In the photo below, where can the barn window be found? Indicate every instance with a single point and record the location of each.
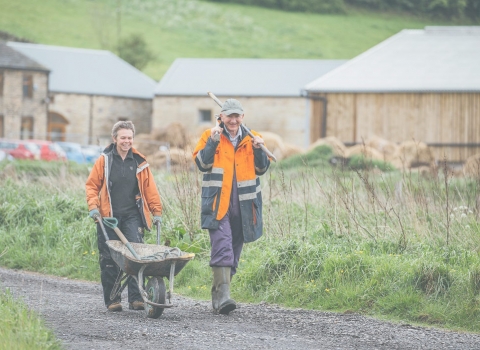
(205, 115)
(27, 86)
(26, 128)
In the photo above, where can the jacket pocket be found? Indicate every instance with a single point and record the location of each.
(254, 211)
(139, 202)
(210, 201)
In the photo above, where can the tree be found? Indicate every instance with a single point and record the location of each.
(134, 50)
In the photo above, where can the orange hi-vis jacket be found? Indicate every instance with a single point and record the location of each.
(218, 161)
(98, 192)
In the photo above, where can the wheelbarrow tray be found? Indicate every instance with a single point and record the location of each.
(159, 267)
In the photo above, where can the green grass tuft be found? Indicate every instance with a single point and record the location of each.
(22, 329)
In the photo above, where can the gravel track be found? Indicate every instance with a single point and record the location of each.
(75, 311)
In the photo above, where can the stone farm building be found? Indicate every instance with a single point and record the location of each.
(88, 91)
(418, 84)
(269, 90)
(23, 94)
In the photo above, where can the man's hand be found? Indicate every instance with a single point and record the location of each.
(215, 133)
(157, 220)
(94, 214)
(257, 141)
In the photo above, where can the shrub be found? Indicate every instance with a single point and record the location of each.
(319, 156)
(474, 277)
(324, 6)
(433, 279)
(437, 8)
(134, 50)
(359, 162)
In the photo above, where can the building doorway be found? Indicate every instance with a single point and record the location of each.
(57, 125)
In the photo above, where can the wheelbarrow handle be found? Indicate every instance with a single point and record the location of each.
(158, 224)
(98, 219)
(112, 223)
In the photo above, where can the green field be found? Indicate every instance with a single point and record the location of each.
(334, 238)
(190, 28)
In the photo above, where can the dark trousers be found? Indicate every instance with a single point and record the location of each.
(227, 240)
(131, 227)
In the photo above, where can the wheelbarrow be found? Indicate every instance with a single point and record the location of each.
(148, 262)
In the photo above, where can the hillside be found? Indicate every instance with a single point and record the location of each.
(193, 28)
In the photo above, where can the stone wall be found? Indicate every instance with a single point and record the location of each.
(90, 118)
(284, 116)
(13, 106)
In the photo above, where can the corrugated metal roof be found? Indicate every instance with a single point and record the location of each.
(436, 59)
(9, 58)
(85, 71)
(241, 77)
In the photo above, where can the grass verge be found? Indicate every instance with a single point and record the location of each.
(22, 329)
(391, 245)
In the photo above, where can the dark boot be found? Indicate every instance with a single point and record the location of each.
(221, 301)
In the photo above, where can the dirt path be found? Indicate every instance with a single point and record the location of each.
(74, 310)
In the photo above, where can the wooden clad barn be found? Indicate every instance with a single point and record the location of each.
(269, 90)
(419, 84)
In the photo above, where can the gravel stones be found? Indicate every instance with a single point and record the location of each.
(75, 311)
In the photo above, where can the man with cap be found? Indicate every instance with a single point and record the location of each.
(231, 198)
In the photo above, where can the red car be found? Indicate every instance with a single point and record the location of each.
(20, 149)
(49, 150)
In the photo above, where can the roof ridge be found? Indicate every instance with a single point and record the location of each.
(57, 47)
(363, 55)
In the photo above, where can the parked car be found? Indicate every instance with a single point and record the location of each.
(73, 151)
(50, 150)
(20, 149)
(5, 156)
(91, 152)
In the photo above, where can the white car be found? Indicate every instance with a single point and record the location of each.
(5, 156)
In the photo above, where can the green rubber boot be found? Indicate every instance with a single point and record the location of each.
(221, 301)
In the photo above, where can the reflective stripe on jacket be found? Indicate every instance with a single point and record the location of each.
(218, 161)
(98, 192)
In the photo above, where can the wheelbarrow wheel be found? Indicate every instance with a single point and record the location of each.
(155, 289)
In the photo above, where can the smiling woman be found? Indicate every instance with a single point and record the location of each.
(121, 185)
(123, 140)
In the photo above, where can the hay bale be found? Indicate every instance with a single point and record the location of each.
(145, 144)
(411, 154)
(337, 146)
(385, 147)
(180, 159)
(174, 134)
(365, 151)
(291, 150)
(200, 130)
(274, 143)
(471, 168)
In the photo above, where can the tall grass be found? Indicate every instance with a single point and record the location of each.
(397, 245)
(22, 329)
